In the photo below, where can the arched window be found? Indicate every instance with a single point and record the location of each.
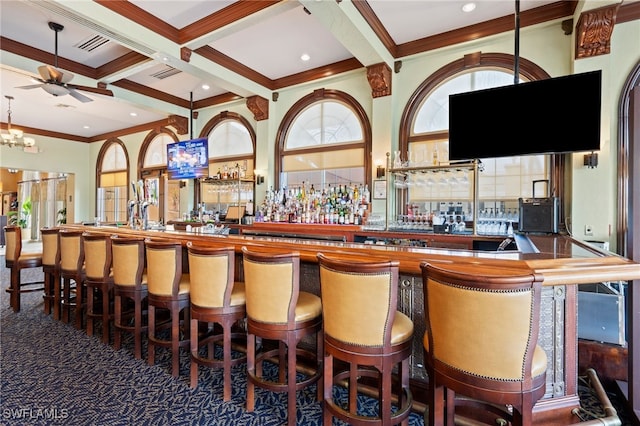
(152, 165)
(232, 143)
(424, 134)
(324, 139)
(112, 177)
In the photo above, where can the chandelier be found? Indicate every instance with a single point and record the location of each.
(14, 137)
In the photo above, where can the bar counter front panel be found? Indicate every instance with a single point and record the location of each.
(562, 261)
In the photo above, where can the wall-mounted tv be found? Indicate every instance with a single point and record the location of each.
(556, 115)
(188, 159)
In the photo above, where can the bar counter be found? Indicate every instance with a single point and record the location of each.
(562, 261)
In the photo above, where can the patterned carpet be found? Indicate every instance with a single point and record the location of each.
(51, 373)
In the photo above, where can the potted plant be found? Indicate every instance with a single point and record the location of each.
(62, 216)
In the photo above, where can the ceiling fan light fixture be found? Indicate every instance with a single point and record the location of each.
(55, 90)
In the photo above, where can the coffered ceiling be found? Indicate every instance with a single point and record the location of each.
(155, 55)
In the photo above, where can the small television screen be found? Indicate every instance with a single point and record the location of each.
(188, 159)
(556, 115)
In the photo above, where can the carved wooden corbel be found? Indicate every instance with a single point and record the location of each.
(379, 77)
(179, 122)
(259, 106)
(185, 54)
(594, 30)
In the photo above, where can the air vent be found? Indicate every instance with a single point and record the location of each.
(92, 43)
(165, 72)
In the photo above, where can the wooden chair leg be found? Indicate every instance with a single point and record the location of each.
(193, 345)
(175, 341)
(151, 349)
(226, 353)
(117, 322)
(292, 408)
(79, 302)
(251, 370)
(14, 289)
(48, 292)
(56, 297)
(137, 326)
(90, 309)
(106, 314)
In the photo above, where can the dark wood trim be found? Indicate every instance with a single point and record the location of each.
(125, 61)
(376, 25)
(304, 102)
(628, 12)
(225, 61)
(226, 16)
(318, 73)
(534, 16)
(142, 17)
(48, 133)
(103, 149)
(152, 93)
(38, 55)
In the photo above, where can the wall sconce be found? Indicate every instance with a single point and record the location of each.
(380, 172)
(591, 160)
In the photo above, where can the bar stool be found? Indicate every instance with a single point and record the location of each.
(364, 329)
(215, 299)
(51, 271)
(99, 281)
(16, 260)
(277, 310)
(481, 342)
(168, 290)
(129, 284)
(72, 274)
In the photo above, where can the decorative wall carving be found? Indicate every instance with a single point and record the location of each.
(259, 106)
(379, 77)
(594, 31)
(185, 54)
(180, 123)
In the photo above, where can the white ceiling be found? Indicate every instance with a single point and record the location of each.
(269, 42)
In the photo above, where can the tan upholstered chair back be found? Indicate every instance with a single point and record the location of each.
(211, 274)
(71, 250)
(49, 246)
(164, 267)
(271, 285)
(13, 243)
(128, 261)
(97, 256)
(359, 300)
(481, 324)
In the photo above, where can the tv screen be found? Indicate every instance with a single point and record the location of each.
(556, 115)
(188, 159)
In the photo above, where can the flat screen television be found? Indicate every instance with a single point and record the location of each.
(556, 115)
(188, 159)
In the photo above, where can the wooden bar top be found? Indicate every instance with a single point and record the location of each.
(560, 259)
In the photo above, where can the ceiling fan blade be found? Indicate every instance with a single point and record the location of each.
(43, 70)
(97, 90)
(31, 86)
(79, 96)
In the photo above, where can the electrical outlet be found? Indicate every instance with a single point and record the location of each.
(588, 230)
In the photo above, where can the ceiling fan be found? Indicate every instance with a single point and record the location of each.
(56, 82)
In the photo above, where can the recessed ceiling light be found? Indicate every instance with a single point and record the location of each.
(205, 87)
(305, 57)
(468, 7)
(85, 127)
(133, 114)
